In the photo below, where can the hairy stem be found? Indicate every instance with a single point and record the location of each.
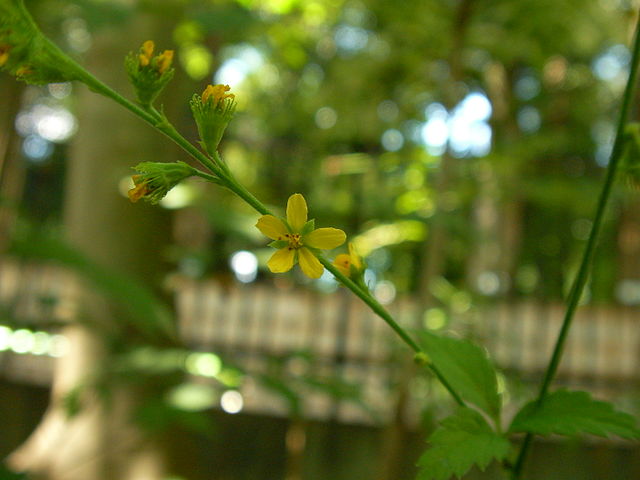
(223, 176)
(587, 258)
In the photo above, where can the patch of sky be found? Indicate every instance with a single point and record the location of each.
(612, 64)
(465, 129)
(241, 61)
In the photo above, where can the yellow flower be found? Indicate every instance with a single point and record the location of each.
(350, 264)
(163, 61)
(297, 239)
(212, 112)
(140, 189)
(217, 93)
(149, 74)
(146, 53)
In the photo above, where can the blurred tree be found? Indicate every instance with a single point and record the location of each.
(100, 441)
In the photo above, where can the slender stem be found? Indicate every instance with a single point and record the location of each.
(386, 316)
(582, 275)
(224, 177)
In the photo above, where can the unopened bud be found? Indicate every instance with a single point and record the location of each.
(212, 112)
(155, 179)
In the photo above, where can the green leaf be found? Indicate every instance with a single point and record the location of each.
(467, 368)
(567, 412)
(463, 440)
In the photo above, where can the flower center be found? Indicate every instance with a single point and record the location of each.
(294, 239)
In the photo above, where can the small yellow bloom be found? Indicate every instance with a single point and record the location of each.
(140, 189)
(149, 74)
(296, 239)
(155, 179)
(146, 53)
(212, 112)
(217, 92)
(350, 263)
(163, 61)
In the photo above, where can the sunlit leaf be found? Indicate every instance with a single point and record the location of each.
(567, 412)
(467, 368)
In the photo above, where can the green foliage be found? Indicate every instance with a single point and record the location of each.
(25, 52)
(6, 474)
(467, 369)
(292, 383)
(141, 308)
(463, 440)
(566, 412)
(156, 415)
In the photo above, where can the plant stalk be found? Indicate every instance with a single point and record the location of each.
(224, 177)
(386, 316)
(582, 275)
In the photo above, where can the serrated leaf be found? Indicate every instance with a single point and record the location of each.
(467, 368)
(567, 412)
(461, 441)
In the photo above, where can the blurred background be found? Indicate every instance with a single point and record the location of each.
(461, 144)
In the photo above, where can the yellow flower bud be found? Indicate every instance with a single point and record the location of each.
(147, 49)
(213, 111)
(148, 74)
(164, 60)
(155, 179)
(217, 93)
(139, 190)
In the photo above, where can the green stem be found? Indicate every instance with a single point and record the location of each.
(582, 275)
(373, 304)
(160, 122)
(223, 176)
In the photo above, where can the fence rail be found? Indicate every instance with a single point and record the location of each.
(254, 323)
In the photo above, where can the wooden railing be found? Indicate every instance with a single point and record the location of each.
(251, 324)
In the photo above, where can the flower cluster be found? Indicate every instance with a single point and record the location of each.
(26, 53)
(212, 112)
(155, 179)
(297, 239)
(149, 74)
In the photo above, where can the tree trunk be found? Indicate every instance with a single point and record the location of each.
(100, 442)
(11, 169)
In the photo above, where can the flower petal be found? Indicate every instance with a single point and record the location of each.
(282, 260)
(343, 263)
(325, 238)
(356, 260)
(309, 264)
(296, 212)
(272, 227)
